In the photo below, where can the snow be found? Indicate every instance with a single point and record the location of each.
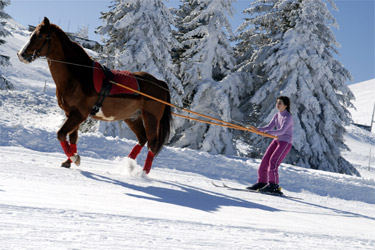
(364, 103)
(108, 203)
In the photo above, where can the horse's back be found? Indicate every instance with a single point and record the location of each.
(141, 75)
(149, 84)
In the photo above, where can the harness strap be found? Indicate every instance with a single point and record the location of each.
(105, 90)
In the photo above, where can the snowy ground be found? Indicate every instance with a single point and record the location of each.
(102, 205)
(108, 203)
(364, 103)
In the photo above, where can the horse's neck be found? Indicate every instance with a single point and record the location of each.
(70, 66)
(67, 57)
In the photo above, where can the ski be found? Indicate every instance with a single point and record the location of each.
(223, 185)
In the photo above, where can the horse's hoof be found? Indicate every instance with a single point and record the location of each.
(76, 159)
(66, 164)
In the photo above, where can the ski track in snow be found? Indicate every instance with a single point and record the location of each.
(109, 203)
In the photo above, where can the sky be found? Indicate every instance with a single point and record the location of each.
(356, 33)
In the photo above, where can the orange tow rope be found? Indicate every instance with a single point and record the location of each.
(221, 123)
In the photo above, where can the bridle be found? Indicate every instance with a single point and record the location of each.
(37, 52)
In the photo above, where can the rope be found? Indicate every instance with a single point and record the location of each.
(220, 122)
(228, 124)
(91, 67)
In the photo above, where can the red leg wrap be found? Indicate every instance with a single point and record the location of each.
(148, 163)
(135, 151)
(66, 148)
(73, 147)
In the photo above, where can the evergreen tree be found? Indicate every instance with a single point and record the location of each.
(4, 60)
(299, 63)
(140, 39)
(258, 33)
(205, 59)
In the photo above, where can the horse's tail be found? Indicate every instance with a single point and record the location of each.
(165, 124)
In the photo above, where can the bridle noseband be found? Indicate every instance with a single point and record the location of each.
(37, 52)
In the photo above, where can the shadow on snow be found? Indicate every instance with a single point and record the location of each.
(186, 196)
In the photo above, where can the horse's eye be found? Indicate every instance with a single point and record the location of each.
(40, 36)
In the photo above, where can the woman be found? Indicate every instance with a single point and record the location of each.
(268, 177)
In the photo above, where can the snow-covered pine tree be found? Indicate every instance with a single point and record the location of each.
(205, 58)
(300, 64)
(254, 38)
(140, 39)
(4, 60)
(247, 72)
(251, 36)
(257, 33)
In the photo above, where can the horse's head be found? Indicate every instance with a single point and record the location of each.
(39, 43)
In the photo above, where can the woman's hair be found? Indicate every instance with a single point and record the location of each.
(286, 102)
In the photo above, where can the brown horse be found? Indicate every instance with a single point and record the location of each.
(72, 71)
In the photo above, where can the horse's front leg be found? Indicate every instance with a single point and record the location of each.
(70, 127)
(73, 138)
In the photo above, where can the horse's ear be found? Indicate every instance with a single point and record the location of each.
(46, 21)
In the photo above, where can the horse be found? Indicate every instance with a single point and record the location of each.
(72, 71)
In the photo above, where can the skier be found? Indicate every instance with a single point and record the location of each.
(268, 177)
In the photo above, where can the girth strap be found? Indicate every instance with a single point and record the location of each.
(105, 90)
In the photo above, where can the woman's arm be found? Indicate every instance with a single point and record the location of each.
(284, 127)
(270, 126)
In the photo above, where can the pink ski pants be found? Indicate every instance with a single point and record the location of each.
(275, 154)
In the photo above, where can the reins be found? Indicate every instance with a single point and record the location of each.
(218, 122)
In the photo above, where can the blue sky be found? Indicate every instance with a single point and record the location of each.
(355, 18)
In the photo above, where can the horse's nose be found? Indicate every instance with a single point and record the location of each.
(22, 57)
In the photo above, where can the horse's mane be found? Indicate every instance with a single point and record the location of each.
(79, 62)
(75, 49)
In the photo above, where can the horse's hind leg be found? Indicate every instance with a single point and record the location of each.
(139, 130)
(151, 126)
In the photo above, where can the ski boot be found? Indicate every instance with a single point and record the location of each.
(257, 186)
(271, 188)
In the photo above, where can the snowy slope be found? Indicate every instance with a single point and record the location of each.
(364, 93)
(102, 206)
(20, 75)
(108, 203)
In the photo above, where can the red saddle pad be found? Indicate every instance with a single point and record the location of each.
(126, 78)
